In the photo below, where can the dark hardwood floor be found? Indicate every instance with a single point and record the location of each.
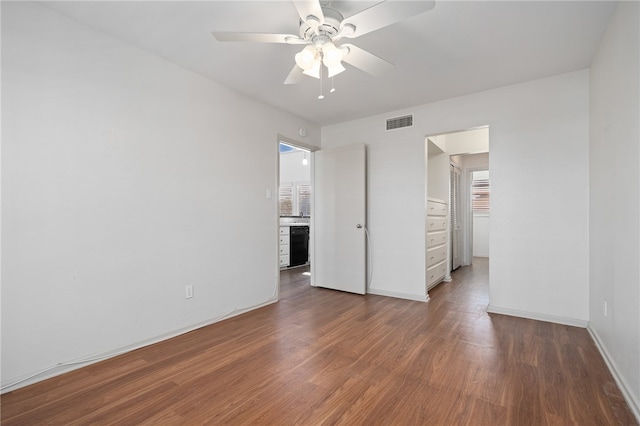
(326, 357)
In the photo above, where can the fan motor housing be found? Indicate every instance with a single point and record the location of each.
(329, 28)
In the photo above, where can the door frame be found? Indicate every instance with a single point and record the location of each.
(468, 247)
(468, 213)
(307, 147)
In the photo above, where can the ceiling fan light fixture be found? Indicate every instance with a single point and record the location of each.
(331, 55)
(306, 58)
(314, 70)
(335, 69)
(320, 27)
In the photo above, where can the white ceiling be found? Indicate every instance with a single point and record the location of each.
(457, 48)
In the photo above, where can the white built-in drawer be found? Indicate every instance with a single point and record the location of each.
(284, 261)
(284, 239)
(436, 209)
(436, 255)
(436, 238)
(284, 230)
(436, 273)
(436, 223)
(284, 250)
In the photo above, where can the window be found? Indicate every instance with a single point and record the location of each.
(295, 199)
(304, 199)
(286, 199)
(480, 192)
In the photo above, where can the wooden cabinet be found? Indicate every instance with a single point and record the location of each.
(284, 246)
(436, 242)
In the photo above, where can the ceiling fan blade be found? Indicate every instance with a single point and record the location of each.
(383, 14)
(258, 37)
(295, 76)
(367, 62)
(308, 8)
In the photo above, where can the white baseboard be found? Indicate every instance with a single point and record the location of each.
(407, 296)
(536, 316)
(67, 366)
(633, 402)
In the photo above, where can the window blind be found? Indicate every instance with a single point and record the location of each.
(286, 199)
(304, 199)
(480, 195)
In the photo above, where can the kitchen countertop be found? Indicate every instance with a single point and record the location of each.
(294, 220)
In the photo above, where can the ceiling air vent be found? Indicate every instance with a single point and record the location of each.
(399, 122)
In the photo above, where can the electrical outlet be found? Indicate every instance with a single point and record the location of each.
(604, 308)
(188, 291)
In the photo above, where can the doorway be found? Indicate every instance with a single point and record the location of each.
(294, 205)
(451, 160)
(336, 218)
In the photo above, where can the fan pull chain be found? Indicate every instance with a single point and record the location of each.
(321, 96)
(333, 89)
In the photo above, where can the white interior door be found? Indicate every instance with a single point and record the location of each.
(339, 219)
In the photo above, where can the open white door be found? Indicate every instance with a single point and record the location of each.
(339, 219)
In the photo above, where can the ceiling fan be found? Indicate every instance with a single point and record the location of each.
(321, 27)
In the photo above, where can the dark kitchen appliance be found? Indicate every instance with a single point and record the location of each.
(298, 245)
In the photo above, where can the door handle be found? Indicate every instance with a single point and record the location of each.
(358, 226)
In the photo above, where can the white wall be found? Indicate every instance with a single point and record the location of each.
(124, 178)
(475, 161)
(469, 142)
(539, 125)
(437, 172)
(481, 234)
(292, 169)
(440, 142)
(395, 198)
(615, 198)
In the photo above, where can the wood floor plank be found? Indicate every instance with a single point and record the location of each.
(324, 357)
